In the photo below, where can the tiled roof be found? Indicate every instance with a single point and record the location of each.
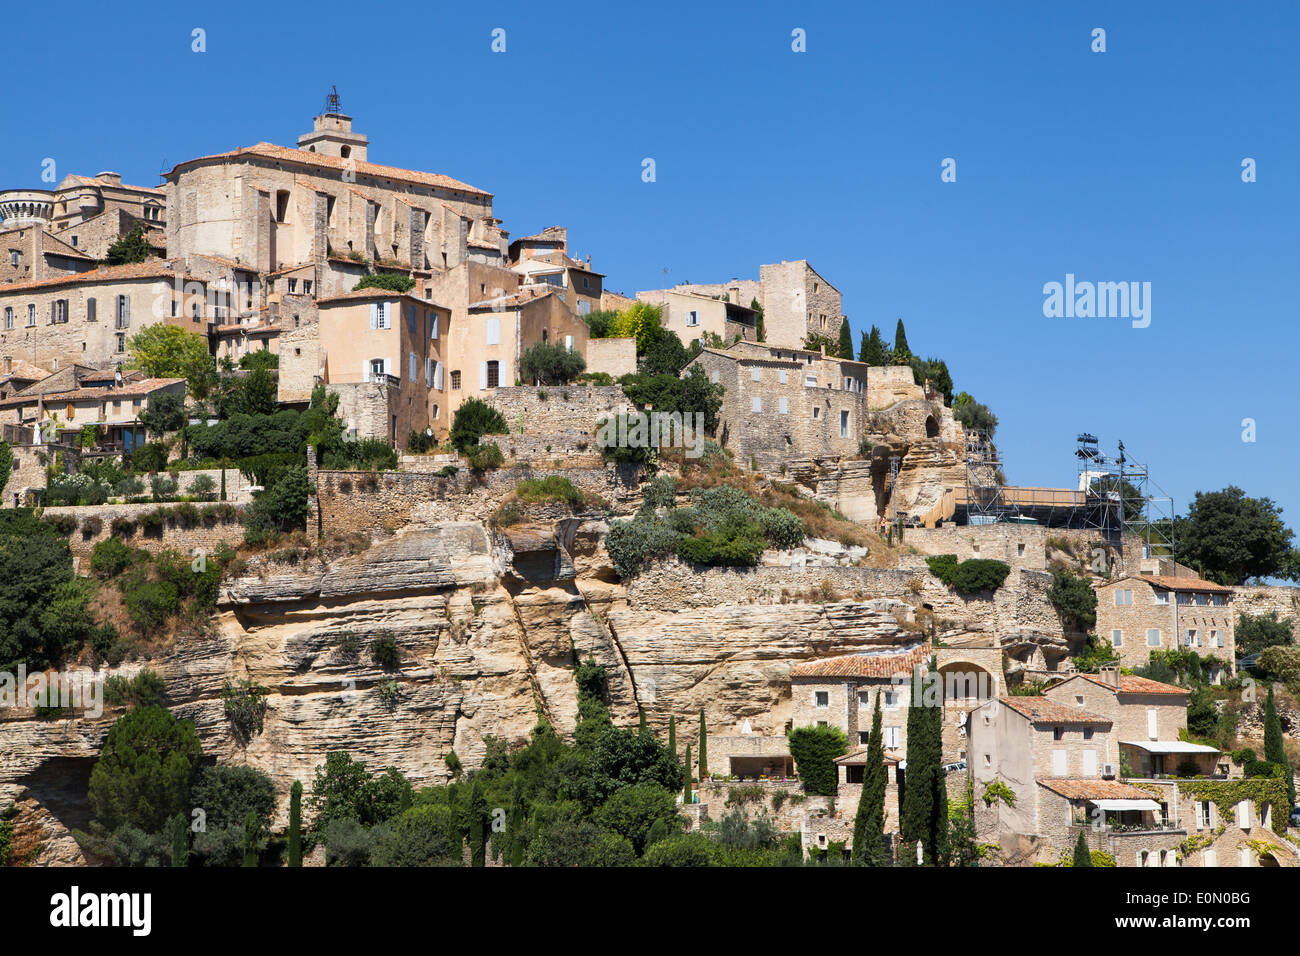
(1132, 684)
(153, 269)
(1170, 582)
(88, 181)
(53, 246)
(1044, 710)
(308, 158)
(126, 390)
(864, 665)
(220, 260)
(522, 297)
(18, 369)
(1075, 789)
(859, 756)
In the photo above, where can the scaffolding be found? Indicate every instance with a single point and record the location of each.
(985, 501)
(1122, 499)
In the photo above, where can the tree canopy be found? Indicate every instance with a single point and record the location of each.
(1230, 537)
(167, 351)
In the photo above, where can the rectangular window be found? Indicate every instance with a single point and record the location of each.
(891, 699)
(379, 315)
(756, 404)
(31, 314)
(1153, 637)
(412, 365)
(1123, 597)
(693, 318)
(1216, 639)
(410, 319)
(817, 411)
(781, 376)
(864, 698)
(9, 317)
(293, 286)
(823, 698)
(433, 325)
(1116, 638)
(753, 374)
(891, 738)
(428, 373)
(493, 331)
(493, 374)
(376, 369)
(783, 406)
(455, 379)
(91, 310)
(810, 381)
(1192, 638)
(121, 343)
(1162, 597)
(844, 424)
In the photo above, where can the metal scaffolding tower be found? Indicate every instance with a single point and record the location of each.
(1122, 498)
(985, 502)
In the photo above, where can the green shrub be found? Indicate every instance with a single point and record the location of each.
(980, 574)
(485, 457)
(660, 492)
(474, 419)
(151, 603)
(552, 488)
(550, 364)
(388, 281)
(245, 707)
(110, 558)
(943, 567)
(814, 750)
(203, 487)
(91, 525)
(121, 527)
(1074, 599)
(631, 544)
(63, 524)
(145, 689)
(149, 457)
(384, 652)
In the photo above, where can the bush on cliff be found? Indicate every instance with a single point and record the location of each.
(472, 421)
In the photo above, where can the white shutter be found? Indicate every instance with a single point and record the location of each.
(1090, 763)
(388, 366)
(568, 342)
(493, 331)
(365, 370)
(482, 376)
(1060, 767)
(374, 315)
(1152, 725)
(437, 375)
(428, 373)
(410, 366)
(433, 325)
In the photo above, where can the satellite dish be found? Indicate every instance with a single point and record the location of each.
(428, 432)
(117, 377)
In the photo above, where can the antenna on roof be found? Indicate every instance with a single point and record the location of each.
(332, 104)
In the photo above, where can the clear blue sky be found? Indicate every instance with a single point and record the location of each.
(1122, 166)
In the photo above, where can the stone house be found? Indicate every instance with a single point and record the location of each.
(31, 253)
(574, 281)
(89, 317)
(783, 404)
(841, 692)
(797, 301)
(691, 315)
(383, 353)
(1140, 613)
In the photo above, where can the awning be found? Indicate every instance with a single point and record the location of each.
(1170, 747)
(1125, 804)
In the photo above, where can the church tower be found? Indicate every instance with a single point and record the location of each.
(333, 134)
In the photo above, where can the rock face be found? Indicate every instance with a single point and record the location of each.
(488, 624)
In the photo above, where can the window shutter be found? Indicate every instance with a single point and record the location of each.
(568, 342)
(437, 375)
(365, 370)
(410, 366)
(374, 315)
(428, 373)
(494, 331)
(388, 366)
(126, 311)
(433, 325)
(482, 376)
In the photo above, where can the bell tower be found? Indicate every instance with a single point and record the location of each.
(332, 133)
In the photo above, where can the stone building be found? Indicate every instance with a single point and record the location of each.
(782, 404)
(31, 253)
(1142, 613)
(89, 317)
(797, 302)
(543, 259)
(383, 354)
(82, 215)
(692, 316)
(841, 691)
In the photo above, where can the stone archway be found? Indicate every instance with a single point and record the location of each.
(931, 427)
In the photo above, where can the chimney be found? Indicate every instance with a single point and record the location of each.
(1109, 674)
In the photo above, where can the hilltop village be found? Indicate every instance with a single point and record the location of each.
(310, 450)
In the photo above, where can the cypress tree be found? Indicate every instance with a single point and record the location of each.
(937, 842)
(846, 340)
(869, 824)
(1274, 751)
(900, 345)
(180, 840)
(924, 813)
(1081, 855)
(478, 815)
(760, 330)
(295, 824)
(642, 728)
(251, 833)
(873, 348)
(687, 797)
(704, 748)
(672, 736)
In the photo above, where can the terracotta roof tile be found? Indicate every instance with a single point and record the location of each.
(1044, 710)
(1132, 684)
(1076, 789)
(153, 269)
(126, 390)
(1171, 582)
(308, 158)
(865, 665)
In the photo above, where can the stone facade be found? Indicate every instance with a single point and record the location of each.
(782, 404)
(614, 357)
(1139, 614)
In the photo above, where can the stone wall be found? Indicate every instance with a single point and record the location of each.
(26, 475)
(172, 537)
(1261, 599)
(612, 356)
(362, 501)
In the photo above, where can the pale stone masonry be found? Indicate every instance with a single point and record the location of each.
(1142, 613)
(781, 404)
